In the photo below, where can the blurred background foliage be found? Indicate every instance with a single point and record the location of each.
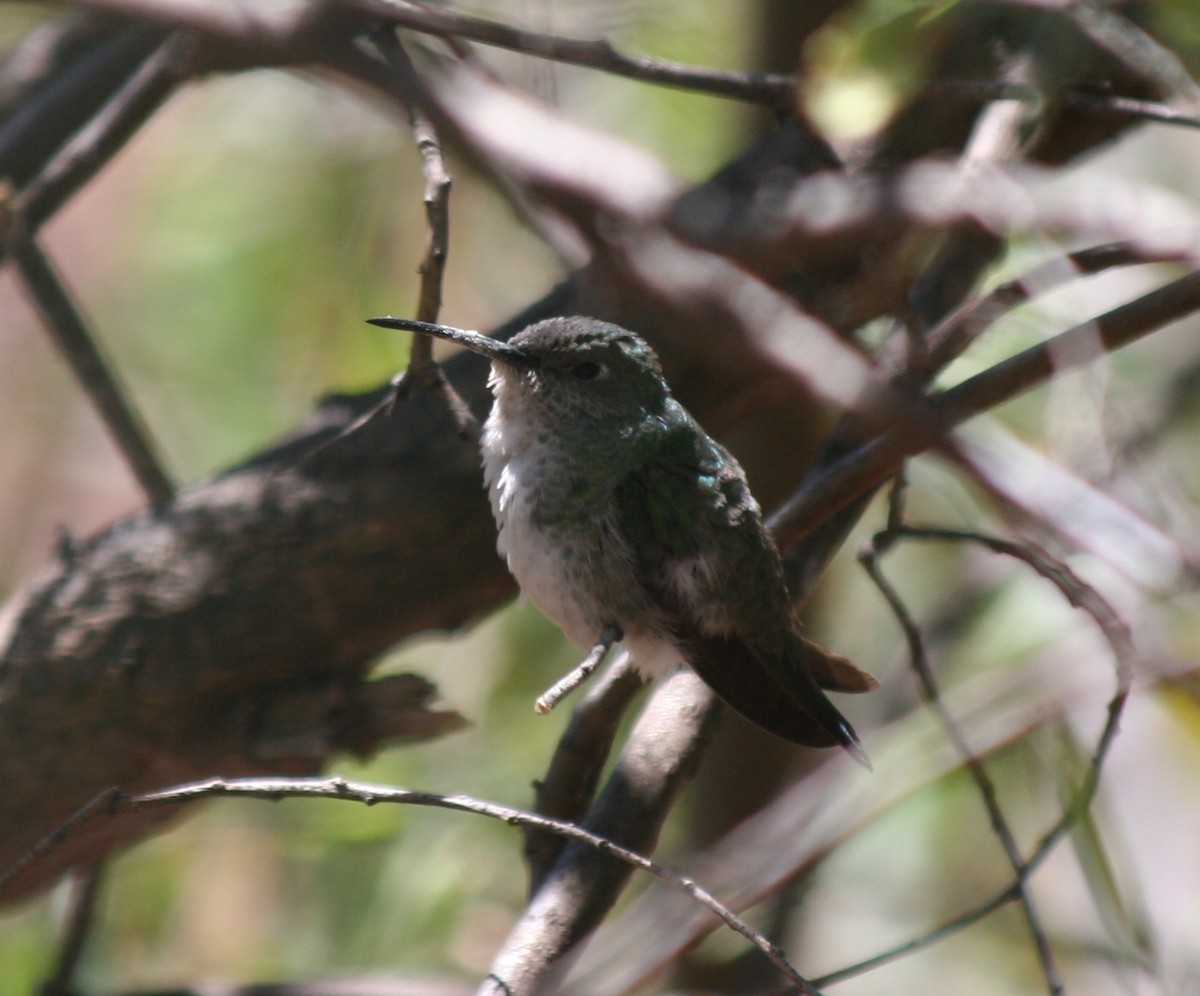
(227, 259)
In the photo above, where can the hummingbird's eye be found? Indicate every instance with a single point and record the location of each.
(587, 370)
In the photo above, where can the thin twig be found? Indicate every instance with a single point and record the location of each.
(1046, 844)
(421, 366)
(806, 557)
(275, 789)
(1147, 58)
(281, 36)
(957, 331)
(77, 345)
(74, 164)
(869, 557)
(1073, 97)
(1074, 589)
(84, 814)
(772, 89)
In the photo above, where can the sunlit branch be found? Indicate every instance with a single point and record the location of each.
(954, 334)
(869, 465)
(569, 784)
(761, 88)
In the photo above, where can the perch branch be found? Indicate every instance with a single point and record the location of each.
(657, 760)
(574, 771)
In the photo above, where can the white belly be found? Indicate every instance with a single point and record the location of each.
(538, 564)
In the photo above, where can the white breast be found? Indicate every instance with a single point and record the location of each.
(535, 561)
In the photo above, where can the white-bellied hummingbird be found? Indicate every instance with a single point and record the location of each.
(618, 514)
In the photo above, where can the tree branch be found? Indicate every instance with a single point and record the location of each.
(77, 346)
(873, 463)
(658, 759)
(771, 89)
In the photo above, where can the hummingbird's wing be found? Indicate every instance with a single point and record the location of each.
(711, 567)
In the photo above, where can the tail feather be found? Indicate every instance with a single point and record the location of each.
(798, 712)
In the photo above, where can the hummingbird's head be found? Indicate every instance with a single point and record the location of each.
(581, 366)
(563, 368)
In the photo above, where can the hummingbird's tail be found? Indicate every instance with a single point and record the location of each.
(796, 710)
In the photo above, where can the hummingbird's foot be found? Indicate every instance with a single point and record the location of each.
(569, 682)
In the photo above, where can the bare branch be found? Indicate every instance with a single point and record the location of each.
(98, 140)
(1137, 49)
(951, 337)
(1097, 103)
(276, 789)
(873, 463)
(437, 247)
(85, 890)
(773, 90)
(1116, 634)
(77, 345)
(656, 762)
(869, 557)
(646, 271)
(1033, 488)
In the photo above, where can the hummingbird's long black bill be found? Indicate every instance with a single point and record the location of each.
(494, 349)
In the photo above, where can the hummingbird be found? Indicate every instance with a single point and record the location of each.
(617, 513)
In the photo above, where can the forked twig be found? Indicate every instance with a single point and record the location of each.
(869, 557)
(955, 333)
(108, 130)
(872, 463)
(1084, 597)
